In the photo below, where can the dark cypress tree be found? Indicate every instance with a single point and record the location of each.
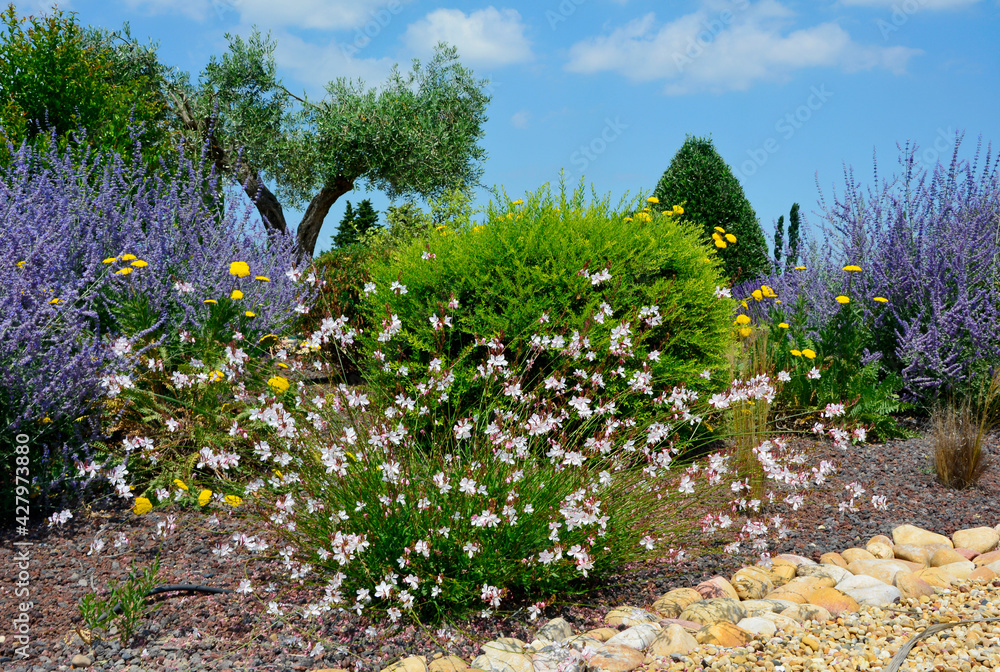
(345, 231)
(365, 219)
(794, 233)
(779, 242)
(712, 196)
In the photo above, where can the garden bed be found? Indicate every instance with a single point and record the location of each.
(234, 631)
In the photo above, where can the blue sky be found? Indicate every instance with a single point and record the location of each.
(606, 90)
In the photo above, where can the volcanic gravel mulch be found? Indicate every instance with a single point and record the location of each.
(233, 631)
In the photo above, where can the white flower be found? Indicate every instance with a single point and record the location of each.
(245, 588)
(723, 293)
(183, 287)
(813, 374)
(784, 376)
(686, 486)
(706, 374)
(398, 288)
(463, 429)
(369, 288)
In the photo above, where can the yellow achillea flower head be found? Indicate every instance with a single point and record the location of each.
(519, 201)
(123, 271)
(653, 199)
(783, 325)
(768, 292)
(678, 210)
(628, 219)
(233, 500)
(46, 420)
(796, 353)
(279, 384)
(643, 217)
(56, 302)
(800, 268)
(180, 484)
(757, 294)
(204, 497)
(240, 269)
(881, 299)
(283, 365)
(236, 295)
(21, 264)
(852, 268)
(270, 339)
(139, 263)
(210, 301)
(742, 319)
(731, 238)
(217, 375)
(720, 229)
(250, 313)
(110, 260)
(744, 332)
(142, 505)
(842, 299)
(129, 257)
(262, 278)
(808, 353)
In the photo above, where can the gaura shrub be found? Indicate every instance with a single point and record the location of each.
(928, 290)
(559, 262)
(104, 265)
(548, 494)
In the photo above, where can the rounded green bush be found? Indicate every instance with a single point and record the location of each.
(539, 266)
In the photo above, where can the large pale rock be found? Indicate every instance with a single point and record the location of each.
(723, 634)
(880, 538)
(913, 553)
(601, 634)
(935, 577)
(715, 610)
(995, 566)
(408, 664)
(758, 625)
(855, 554)
(911, 586)
(637, 637)
(781, 574)
(807, 612)
(717, 586)
(447, 664)
(629, 616)
(979, 539)
(581, 642)
(944, 556)
(671, 604)
(834, 572)
(690, 626)
(883, 570)
(752, 583)
(783, 623)
(880, 550)
(959, 569)
(672, 639)
(555, 630)
(756, 607)
(803, 586)
(910, 534)
(834, 601)
(869, 590)
(986, 558)
(794, 560)
(982, 575)
(504, 655)
(967, 553)
(615, 658)
(833, 559)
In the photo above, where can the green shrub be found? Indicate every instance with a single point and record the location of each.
(546, 260)
(711, 195)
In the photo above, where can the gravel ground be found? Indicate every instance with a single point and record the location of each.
(233, 631)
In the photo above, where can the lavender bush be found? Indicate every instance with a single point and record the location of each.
(102, 263)
(927, 243)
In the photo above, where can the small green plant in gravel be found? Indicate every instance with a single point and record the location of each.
(123, 607)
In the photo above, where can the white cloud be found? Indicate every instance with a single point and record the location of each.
(486, 37)
(726, 46)
(520, 119)
(314, 14)
(919, 4)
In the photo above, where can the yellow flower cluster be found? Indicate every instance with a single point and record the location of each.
(721, 238)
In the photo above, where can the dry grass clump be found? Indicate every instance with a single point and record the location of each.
(958, 431)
